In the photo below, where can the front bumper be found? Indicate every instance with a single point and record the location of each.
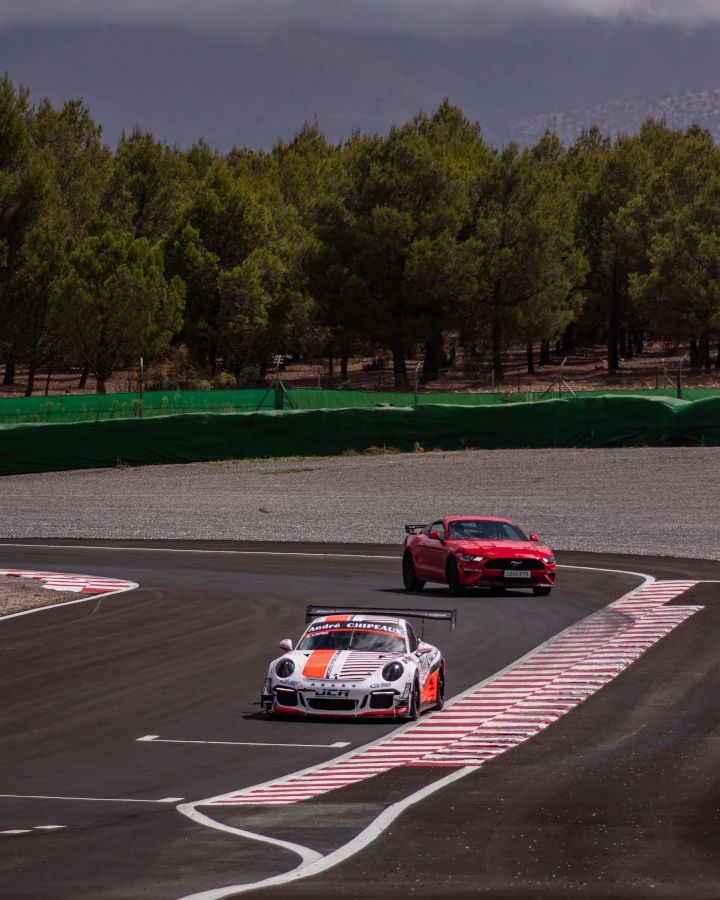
(330, 699)
(476, 575)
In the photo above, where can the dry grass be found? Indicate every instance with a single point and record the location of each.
(21, 594)
(586, 370)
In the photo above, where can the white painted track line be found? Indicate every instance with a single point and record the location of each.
(45, 828)
(307, 856)
(199, 550)
(320, 863)
(91, 799)
(155, 739)
(39, 609)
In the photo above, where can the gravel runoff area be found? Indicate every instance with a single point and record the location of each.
(18, 595)
(656, 501)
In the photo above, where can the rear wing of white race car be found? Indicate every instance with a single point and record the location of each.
(441, 615)
(414, 529)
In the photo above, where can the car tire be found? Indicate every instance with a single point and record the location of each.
(414, 707)
(542, 590)
(455, 586)
(440, 689)
(410, 580)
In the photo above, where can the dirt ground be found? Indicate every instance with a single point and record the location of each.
(20, 594)
(585, 371)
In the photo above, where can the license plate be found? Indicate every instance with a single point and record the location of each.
(513, 573)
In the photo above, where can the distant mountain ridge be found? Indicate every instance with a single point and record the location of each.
(680, 110)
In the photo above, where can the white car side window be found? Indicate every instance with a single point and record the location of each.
(412, 639)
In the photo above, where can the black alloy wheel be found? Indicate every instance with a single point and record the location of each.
(410, 580)
(453, 579)
(414, 708)
(542, 590)
(440, 689)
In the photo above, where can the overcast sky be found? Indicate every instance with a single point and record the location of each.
(396, 15)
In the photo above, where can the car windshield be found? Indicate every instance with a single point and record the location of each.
(380, 641)
(485, 530)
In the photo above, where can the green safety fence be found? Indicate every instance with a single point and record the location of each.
(606, 421)
(92, 408)
(95, 407)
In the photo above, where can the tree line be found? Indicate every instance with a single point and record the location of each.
(423, 241)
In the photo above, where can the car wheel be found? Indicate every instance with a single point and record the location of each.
(440, 696)
(542, 590)
(453, 579)
(414, 708)
(410, 579)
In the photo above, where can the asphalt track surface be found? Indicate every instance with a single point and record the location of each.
(618, 799)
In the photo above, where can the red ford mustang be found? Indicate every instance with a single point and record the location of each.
(464, 551)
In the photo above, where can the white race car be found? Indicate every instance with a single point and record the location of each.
(358, 662)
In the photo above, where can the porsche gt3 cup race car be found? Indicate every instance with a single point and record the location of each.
(358, 662)
(465, 551)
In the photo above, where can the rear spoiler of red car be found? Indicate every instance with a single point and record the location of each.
(441, 615)
(414, 529)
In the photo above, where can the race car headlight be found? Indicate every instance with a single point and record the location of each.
(392, 671)
(285, 668)
(548, 560)
(468, 557)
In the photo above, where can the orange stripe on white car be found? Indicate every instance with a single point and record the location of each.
(318, 663)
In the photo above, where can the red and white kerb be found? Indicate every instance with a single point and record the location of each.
(79, 584)
(516, 706)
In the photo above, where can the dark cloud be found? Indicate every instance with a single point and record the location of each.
(424, 16)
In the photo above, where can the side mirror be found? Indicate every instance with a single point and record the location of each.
(423, 648)
(435, 536)
(286, 645)
(534, 537)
